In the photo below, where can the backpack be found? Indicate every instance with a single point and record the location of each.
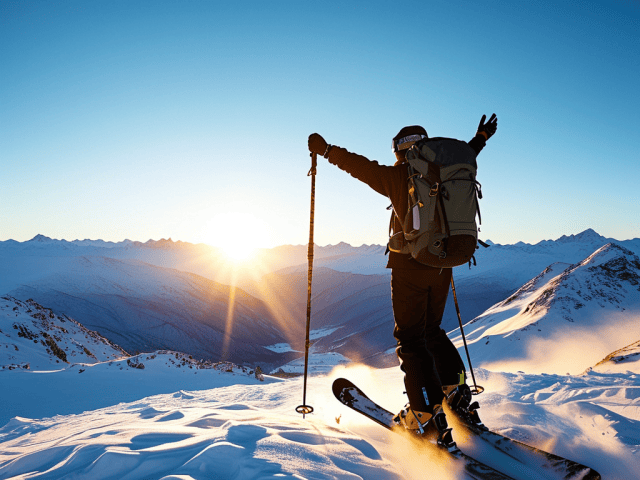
(440, 227)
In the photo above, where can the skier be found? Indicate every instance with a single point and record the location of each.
(433, 369)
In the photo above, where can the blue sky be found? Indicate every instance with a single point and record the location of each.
(189, 119)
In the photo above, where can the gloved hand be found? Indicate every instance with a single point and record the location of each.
(317, 144)
(489, 128)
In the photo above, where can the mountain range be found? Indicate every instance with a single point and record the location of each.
(167, 295)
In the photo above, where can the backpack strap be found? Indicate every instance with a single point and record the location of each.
(393, 214)
(478, 197)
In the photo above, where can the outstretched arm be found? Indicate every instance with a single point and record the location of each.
(382, 178)
(485, 131)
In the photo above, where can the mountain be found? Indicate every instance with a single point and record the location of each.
(360, 318)
(201, 259)
(35, 338)
(144, 308)
(577, 313)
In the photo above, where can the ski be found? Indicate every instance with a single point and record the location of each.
(527, 454)
(351, 396)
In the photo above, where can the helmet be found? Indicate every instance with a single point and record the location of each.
(407, 137)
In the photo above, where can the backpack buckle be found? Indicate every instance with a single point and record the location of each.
(434, 189)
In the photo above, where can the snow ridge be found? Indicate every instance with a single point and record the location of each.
(35, 338)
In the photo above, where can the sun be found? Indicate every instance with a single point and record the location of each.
(236, 234)
(238, 251)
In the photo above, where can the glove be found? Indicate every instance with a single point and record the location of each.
(488, 129)
(317, 144)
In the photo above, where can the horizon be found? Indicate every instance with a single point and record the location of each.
(191, 121)
(150, 240)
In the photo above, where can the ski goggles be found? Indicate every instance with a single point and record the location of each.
(405, 142)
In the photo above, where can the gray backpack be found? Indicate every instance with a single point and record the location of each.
(440, 227)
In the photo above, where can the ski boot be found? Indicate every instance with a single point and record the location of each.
(431, 427)
(458, 397)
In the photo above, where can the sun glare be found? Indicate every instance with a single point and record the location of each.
(237, 235)
(238, 251)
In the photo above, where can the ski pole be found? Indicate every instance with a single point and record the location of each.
(477, 389)
(304, 408)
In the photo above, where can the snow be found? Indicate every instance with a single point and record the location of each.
(321, 332)
(318, 363)
(27, 330)
(313, 335)
(627, 359)
(280, 348)
(233, 430)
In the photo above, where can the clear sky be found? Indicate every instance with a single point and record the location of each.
(189, 119)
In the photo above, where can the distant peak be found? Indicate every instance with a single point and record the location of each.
(587, 235)
(165, 243)
(41, 238)
(162, 241)
(340, 245)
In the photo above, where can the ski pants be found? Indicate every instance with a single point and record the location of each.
(427, 357)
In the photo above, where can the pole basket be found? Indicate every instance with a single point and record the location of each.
(304, 409)
(477, 390)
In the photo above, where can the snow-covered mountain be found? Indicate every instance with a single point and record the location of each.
(362, 310)
(201, 259)
(33, 337)
(576, 313)
(144, 308)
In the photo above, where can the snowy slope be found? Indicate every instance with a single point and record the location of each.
(238, 432)
(78, 387)
(564, 320)
(33, 337)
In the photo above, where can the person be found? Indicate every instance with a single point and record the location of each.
(431, 364)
